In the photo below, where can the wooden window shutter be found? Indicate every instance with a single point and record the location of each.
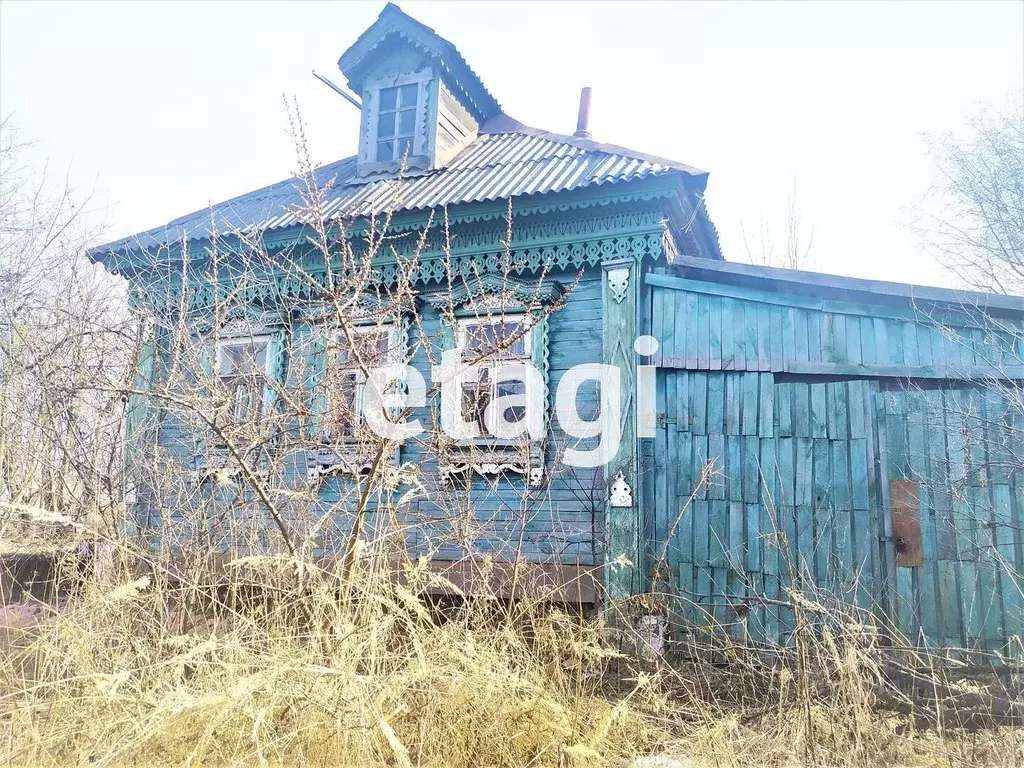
(906, 523)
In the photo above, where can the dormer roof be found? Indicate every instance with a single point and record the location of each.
(394, 25)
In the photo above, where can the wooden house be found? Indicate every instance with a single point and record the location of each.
(859, 434)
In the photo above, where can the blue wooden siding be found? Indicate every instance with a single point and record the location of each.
(555, 523)
(798, 404)
(788, 503)
(560, 522)
(957, 444)
(710, 326)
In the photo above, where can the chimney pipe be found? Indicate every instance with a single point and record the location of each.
(583, 120)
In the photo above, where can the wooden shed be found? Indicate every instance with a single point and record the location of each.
(868, 444)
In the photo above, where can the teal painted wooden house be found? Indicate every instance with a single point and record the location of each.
(852, 443)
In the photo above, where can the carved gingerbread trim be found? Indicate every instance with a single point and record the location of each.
(621, 493)
(618, 283)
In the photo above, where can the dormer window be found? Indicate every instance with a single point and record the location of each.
(422, 104)
(396, 122)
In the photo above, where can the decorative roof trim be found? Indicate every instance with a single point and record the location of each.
(465, 289)
(645, 189)
(392, 22)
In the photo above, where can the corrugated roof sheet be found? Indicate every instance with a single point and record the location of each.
(495, 166)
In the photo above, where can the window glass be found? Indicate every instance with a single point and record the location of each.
(408, 93)
(368, 347)
(406, 122)
(239, 358)
(241, 366)
(499, 338)
(396, 122)
(509, 387)
(386, 126)
(388, 98)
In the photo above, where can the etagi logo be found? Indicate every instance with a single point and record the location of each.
(518, 410)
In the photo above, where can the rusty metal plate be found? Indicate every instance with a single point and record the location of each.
(906, 523)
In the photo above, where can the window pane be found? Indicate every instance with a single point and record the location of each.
(242, 358)
(388, 97)
(487, 338)
(475, 398)
(512, 413)
(404, 148)
(386, 125)
(406, 122)
(241, 400)
(379, 343)
(385, 151)
(246, 398)
(342, 417)
(342, 354)
(409, 95)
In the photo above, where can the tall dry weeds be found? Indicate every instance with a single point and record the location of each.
(308, 672)
(281, 663)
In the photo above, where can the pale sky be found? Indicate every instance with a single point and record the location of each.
(165, 107)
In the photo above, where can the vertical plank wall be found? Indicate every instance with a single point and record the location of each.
(952, 445)
(787, 505)
(799, 497)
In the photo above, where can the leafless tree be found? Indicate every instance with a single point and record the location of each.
(972, 218)
(794, 252)
(65, 344)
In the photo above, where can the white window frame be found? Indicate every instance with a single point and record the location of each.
(396, 138)
(418, 153)
(254, 340)
(464, 324)
(333, 337)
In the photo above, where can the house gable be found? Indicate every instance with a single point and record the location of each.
(421, 103)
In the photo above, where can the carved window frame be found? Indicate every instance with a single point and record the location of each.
(348, 454)
(419, 154)
(210, 455)
(508, 299)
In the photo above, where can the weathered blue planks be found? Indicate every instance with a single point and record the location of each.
(803, 412)
(766, 331)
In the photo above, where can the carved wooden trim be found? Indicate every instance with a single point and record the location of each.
(618, 283)
(507, 292)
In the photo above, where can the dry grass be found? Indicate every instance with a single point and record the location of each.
(288, 666)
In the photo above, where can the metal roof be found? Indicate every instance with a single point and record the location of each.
(512, 161)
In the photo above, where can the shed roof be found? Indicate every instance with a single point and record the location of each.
(826, 286)
(507, 160)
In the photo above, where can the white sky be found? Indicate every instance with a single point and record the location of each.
(165, 107)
